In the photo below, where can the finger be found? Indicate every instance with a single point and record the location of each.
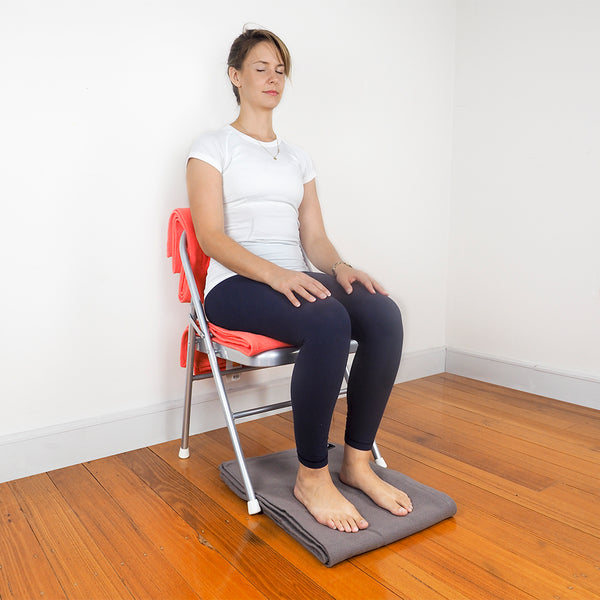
(316, 287)
(347, 285)
(317, 291)
(369, 285)
(292, 298)
(380, 288)
(304, 293)
(372, 286)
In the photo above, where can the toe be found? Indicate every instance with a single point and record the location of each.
(406, 503)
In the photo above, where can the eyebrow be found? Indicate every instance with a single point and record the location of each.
(264, 62)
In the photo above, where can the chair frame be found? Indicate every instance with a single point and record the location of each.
(199, 338)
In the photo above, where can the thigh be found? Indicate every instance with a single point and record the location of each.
(370, 314)
(243, 304)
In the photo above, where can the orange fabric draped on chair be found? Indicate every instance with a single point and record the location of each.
(248, 344)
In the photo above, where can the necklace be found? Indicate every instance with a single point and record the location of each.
(245, 132)
(274, 157)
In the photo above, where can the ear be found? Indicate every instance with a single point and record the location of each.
(234, 76)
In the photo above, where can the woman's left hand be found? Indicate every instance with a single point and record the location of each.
(346, 276)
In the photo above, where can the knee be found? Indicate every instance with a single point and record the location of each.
(392, 315)
(382, 319)
(327, 320)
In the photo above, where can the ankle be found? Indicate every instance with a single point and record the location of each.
(355, 459)
(307, 475)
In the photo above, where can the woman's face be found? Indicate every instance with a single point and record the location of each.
(261, 79)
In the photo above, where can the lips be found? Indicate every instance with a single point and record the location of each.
(272, 92)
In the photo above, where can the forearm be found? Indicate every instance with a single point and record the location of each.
(322, 253)
(292, 284)
(235, 257)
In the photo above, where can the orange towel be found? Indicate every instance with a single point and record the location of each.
(201, 363)
(179, 221)
(249, 344)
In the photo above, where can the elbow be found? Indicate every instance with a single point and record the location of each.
(205, 246)
(208, 244)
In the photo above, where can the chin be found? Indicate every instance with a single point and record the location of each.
(272, 100)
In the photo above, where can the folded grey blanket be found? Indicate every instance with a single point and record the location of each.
(273, 477)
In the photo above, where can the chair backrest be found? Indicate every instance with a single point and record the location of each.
(181, 222)
(190, 275)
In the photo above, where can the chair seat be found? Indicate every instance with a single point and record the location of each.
(269, 358)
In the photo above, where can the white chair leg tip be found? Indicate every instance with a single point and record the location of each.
(381, 462)
(253, 507)
(184, 452)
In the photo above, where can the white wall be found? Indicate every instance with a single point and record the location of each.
(524, 256)
(99, 104)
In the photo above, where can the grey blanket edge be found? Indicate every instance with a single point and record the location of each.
(273, 478)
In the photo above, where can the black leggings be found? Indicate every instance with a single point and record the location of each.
(323, 330)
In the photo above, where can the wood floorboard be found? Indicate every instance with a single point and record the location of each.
(139, 562)
(81, 568)
(524, 471)
(498, 440)
(247, 551)
(569, 440)
(560, 415)
(470, 486)
(180, 544)
(25, 571)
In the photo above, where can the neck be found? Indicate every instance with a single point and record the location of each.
(256, 124)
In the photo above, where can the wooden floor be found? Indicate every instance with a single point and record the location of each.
(524, 471)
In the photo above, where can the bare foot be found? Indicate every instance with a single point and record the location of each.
(356, 472)
(315, 489)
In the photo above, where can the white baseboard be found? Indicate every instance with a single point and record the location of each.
(415, 365)
(575, 388)
(31, 452)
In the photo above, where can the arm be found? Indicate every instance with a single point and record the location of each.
(320, 250)
(205, 192)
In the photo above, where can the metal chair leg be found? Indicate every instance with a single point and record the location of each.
(253, 505)
(184, 450)
(377, 456)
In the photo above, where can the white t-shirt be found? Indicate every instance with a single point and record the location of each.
(261, 196)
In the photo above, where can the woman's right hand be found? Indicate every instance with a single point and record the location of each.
(296, 283)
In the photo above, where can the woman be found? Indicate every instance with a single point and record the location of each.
(255, 206)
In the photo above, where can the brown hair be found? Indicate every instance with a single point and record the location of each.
(246, 41)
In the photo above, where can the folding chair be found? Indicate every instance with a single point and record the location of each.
(199, 338)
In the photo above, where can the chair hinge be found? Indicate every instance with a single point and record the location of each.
(198, 331)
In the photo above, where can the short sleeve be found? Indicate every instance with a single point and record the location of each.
(305, 163)
(210, 148)
(309, 172)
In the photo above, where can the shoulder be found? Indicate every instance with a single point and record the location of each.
(211, 147)
(211, 139)
(302, 158)
(295, 150)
